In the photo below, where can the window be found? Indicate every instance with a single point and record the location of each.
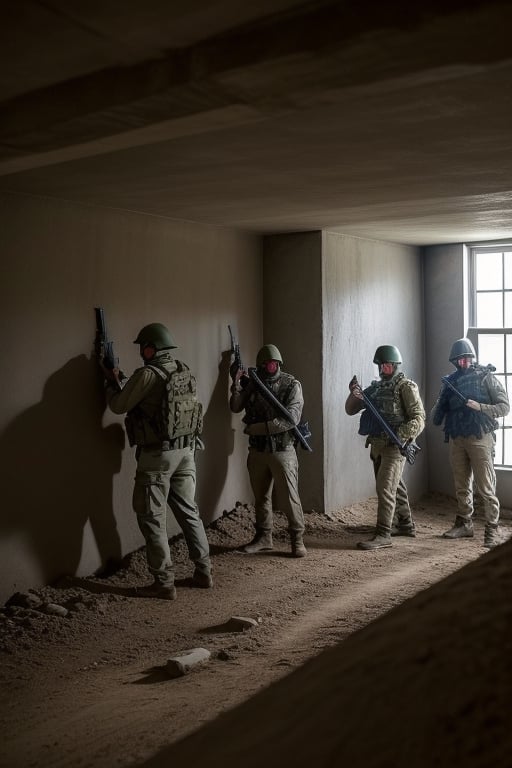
(490, 316)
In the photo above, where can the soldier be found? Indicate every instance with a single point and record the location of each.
(164, 420)
(469, 425)
(398, 400)
(272, 460)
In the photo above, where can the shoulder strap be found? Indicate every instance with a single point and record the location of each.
(160, 371)
(165, 375)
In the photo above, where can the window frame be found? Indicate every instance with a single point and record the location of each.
(474, 331)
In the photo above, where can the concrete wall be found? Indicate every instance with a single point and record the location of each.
(444, 276)
(67, 474)
(292, 276)
(330, 300)
(372, 295)
(326, 300)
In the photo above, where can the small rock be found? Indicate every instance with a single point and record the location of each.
(177, 666)
(241, 623)
(55, 610)
(23, 600)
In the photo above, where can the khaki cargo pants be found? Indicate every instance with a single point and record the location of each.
(168, 477)
(388, 466)
(280, 471)
(473, 457)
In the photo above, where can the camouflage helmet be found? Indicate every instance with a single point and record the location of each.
(387, 353)
(155, 335)
(268, 352)
(461, 348)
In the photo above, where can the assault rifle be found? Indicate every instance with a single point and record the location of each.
(464, 400)
(103, 346)
(455, 391)
(301, 431)
(482, 368)
(409, 448)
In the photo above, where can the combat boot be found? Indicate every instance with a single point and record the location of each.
(202, 579)
(403, 528)
(381, 539)
(298, 548)
(491, 535)
(158, 590)
(462, 529)
(262, 542)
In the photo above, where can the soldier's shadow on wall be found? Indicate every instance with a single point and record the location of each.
(219, 439)
(59, 463)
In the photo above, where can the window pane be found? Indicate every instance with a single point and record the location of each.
(491, 350)
(508, 340)
(507, 437)
(508, 269)
(489, 271)
(508, 309)
(498, 456)
(507, 421)
(489, 310)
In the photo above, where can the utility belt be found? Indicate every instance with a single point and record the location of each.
(272, 443)
(171, 445)
(380, 438)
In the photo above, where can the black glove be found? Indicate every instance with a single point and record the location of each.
(304, 429)
(353, 383)
(409, 450)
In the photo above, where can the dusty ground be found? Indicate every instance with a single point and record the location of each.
(91, 688)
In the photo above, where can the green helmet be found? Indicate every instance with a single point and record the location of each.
(268, 352)
(461, 348)
(387, 353)
(155, 335)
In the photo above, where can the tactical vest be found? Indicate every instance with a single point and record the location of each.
(177, 414)
(461, 421)
(385, 395)
(258, 409)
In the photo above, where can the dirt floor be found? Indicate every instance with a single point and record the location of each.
(84, 679)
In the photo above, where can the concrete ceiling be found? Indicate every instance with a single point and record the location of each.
(389, 120)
